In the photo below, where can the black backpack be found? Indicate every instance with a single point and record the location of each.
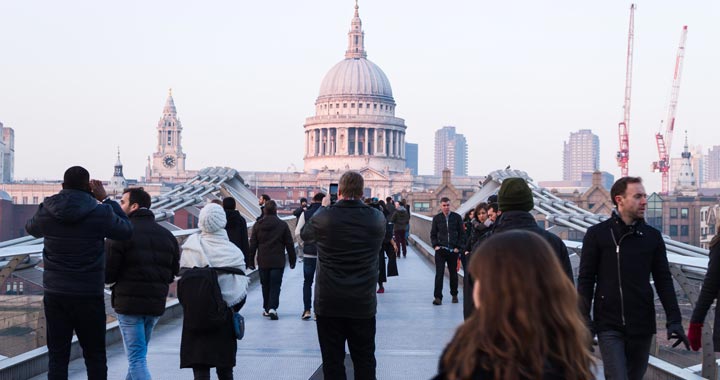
(201, 299)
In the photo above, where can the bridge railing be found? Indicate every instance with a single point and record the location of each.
(688, 266)
(22, 319)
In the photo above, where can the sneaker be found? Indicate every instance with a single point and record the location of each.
(437, 301)
(381, 290)
(265, 313)
(455, 299)
(306, 315)
(273, 314)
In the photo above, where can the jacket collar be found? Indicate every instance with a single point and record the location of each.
(142, 213)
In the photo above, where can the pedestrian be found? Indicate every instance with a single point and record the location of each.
(708, 293)
(532, 329)
(236, 226)
(303, 206)
(515, 200)
(270, 239)
(618, 257)
(261, 202)
(400, 219)
(387, 249)
(74, 224)
(202, 349)
(139, 272)
(478, 232)
(447, 237)
(309, 253)
(348, 236)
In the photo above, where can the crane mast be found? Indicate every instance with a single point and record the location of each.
(664, 142)
(623, 155)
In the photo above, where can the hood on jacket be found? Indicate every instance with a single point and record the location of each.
(514, 219)
(70, 205)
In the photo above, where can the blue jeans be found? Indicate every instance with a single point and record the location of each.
(309, 265)
(624, 357)
(136, 331)
(271, 281)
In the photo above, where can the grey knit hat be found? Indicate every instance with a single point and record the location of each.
(212, 218)
(515, 194)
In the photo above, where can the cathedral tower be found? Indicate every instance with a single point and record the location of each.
(168, 161)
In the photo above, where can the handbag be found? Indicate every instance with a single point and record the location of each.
(238, 325)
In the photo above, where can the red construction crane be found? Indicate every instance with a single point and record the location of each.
(664, 142)
(623, 155)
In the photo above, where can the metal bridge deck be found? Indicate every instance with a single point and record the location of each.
(411, 333)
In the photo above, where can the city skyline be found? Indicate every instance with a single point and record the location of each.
(77, 81)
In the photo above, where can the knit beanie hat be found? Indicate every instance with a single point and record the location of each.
(515, 194)
(212, 218)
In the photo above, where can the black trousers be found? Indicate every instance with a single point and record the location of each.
(360, 337)
(203, 373)
(624, 357)
(444, 257)
(271, 282)
(84, 315)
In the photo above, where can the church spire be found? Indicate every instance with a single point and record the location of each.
(169, 109)
(118, 165)
(356, 37)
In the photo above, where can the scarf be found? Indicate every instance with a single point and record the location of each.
(215, 250)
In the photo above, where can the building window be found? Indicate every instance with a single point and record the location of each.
(352, 105)
(673, 230)
(374, 106)
(684, 212)
(289, 194)
(421, 206)
(15, 200)
(35, 200)
(344, 105)
(685, 230)
(25, 200)
(359, 105)
(673, 213)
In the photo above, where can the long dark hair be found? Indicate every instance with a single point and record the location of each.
(526, 315)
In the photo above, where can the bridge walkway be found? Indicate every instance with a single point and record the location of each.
(411, 333)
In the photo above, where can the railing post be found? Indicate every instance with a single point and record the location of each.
(709, 367)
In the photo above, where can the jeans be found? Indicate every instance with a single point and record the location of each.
(309, 265)
(401, 241)
(624, 357)
(271, 280)
(444, 257)
(85, 315)
(360, 337)
(136, 331)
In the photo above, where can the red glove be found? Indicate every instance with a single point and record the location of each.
(695, 335)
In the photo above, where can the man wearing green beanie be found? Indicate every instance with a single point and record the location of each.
(516, 200)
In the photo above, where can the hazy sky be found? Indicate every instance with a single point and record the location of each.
(79, 78)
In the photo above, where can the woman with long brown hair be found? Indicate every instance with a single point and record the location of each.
(526, 325)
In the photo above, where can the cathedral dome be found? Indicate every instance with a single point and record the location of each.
(355, 77)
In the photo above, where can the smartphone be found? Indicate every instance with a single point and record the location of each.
(333, 193)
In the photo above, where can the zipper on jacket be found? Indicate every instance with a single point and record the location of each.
(617, 254)
(447, 227)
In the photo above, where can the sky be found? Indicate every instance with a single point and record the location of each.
(78, 79)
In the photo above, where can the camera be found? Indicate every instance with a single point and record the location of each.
(333, 193)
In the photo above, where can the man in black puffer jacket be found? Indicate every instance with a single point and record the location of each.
(515, 201)
(74, 227)
(348, 236)
(618, 257)
(270, 239)
(236, 227)
(139, 272)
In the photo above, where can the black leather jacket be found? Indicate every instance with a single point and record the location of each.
(615, 267)
(75, 226)
(348, 236)
(143, 267)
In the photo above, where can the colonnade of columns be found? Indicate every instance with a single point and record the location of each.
(382, 142)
